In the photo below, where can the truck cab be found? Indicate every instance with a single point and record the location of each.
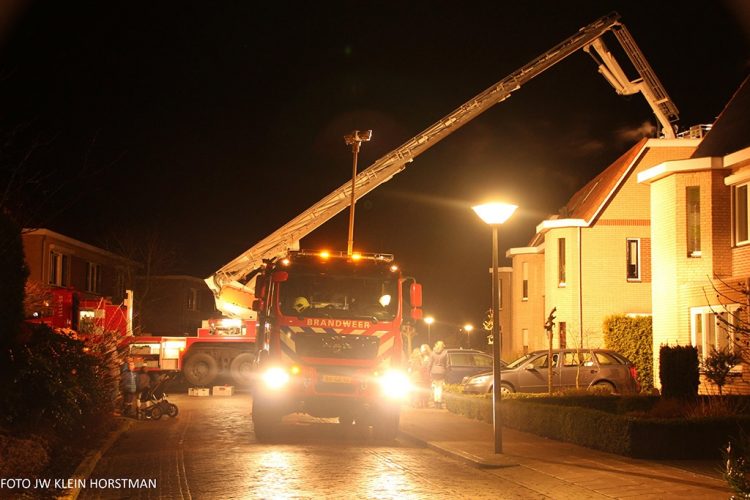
(330, 341)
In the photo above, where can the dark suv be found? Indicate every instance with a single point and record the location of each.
(466, 362)
(594, 368)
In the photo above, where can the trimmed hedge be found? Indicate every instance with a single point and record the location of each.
(633, 338)
(565, 419)
(678, 371)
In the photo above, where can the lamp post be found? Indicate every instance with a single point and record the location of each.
(495, 214)
(468, 327)
(355, 140)
(429, 320)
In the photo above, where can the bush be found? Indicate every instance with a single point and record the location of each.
(13, 273)
(678, 371)
(622, 425)
(633, 338)
(21, 457)
(58, 384)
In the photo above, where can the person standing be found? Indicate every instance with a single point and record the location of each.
(438, 369)
(128, 386)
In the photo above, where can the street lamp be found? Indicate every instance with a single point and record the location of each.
(495, 214)
(468, 327)
(429, 320)
(355, 140)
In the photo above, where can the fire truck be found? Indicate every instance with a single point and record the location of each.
(223, 349)
(330, 342)
(234, 284)
(88, 314)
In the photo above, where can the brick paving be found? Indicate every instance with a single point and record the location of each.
(209, 451)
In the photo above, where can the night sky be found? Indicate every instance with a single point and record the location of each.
(214, 123)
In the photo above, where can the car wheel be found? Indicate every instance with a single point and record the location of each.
(506, 389)
(603, 388)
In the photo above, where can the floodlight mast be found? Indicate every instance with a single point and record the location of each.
(355, 140)
(234, 277)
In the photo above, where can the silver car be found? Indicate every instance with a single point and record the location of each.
(602, 369)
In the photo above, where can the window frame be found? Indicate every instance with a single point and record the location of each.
(524, 281)
(736, 214)
(693, 221)
(628, 253)
(93, 277)
(59, 268)
(561, 263)
(710, 326)
(192, 299)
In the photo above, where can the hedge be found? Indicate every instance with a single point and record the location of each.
(609, 431)
(633, 338)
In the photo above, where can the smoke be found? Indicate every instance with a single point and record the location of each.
(626, 135)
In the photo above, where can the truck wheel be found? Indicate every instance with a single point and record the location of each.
(242, 369)
(265, 420)
(200, 369)
(386, 426)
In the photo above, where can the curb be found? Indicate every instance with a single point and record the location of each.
(87, 465)
(498, 462)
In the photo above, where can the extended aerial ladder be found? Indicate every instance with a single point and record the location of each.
(232, 284)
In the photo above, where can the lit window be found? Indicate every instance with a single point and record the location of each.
(740, 214)
(93, 277)
(711, 327)
(58, 269)
(633, 258)
(693, 202)
(561, 261)
(563, 334)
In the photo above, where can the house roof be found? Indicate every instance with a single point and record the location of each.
(588, 201)
(79, 244)
(731, 131)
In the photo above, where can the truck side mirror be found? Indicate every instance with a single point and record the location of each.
(416, 313)
(415, 295)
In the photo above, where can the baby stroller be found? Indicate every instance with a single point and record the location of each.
(153, 401)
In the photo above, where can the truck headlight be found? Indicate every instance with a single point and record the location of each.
(275, 378)
(395, 384)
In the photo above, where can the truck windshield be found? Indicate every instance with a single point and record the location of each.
(322, 295)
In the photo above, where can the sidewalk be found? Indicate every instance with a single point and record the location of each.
(557, 469)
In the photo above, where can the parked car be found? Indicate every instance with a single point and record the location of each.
(595, 368)
(466, 362)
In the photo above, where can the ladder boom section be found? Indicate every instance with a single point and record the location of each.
(655, 94)
(383, 169)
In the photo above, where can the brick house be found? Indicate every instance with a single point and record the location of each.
(173, 305)
(164, 305)
(700, 238)
(594, 258)
(60, 261)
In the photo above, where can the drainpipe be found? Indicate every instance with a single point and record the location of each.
(580, 284)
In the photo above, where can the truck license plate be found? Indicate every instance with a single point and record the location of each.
(336, 379)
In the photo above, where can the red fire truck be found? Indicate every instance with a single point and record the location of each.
(85, 313)
(222, 349)
(330, 342)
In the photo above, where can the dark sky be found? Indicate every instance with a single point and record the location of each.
(214, 123)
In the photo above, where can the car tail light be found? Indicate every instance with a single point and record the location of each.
(634, 374)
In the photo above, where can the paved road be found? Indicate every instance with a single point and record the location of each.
(209, 451)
